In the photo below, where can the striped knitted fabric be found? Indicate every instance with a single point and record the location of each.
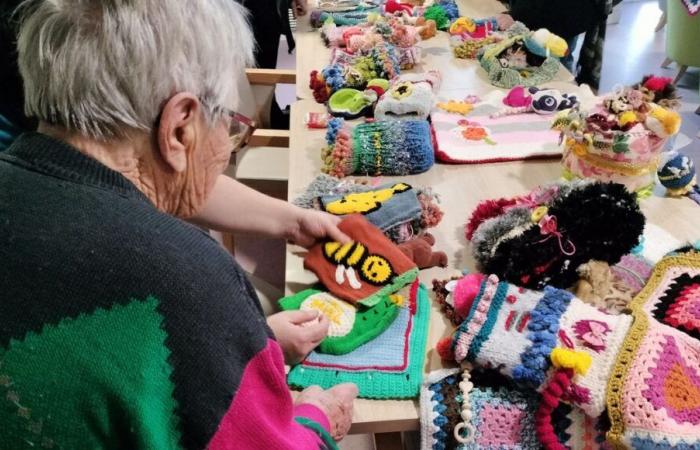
(387, 367)
(654, 394)
(517, 329)
(378, 148)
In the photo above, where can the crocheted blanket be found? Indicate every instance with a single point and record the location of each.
(387, 367)
(476, 137)
(502, 417)
(654, 394)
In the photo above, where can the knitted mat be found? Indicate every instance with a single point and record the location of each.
(654, 393)
(478, 138)
(388, 367)
(503, 417)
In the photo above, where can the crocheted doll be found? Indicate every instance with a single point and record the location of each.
(363, 270)
(677, 175)
(620, 140)
(419, 250)
(541, 238)
(521, 100)
(350, 326)
(401, 216)
(378, 148)
(410, 97)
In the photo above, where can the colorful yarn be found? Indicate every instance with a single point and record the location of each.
(450, 7)
(318, 18)
(438, 14)
(379, 148)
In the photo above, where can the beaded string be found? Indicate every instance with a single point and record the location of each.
(465, 386)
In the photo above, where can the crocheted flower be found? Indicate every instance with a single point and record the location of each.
(473, 131)
(548, 224)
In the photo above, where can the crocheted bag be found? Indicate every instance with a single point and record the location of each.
(387, 367)
(364, 270)
(493, 61)
(350, 326)
(410, 97)
(378, 148)
(542, 238)
(654, 395)
(620, 140)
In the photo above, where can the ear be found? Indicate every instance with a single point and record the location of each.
(177, 129)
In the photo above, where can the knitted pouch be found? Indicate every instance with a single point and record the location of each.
(350, 326)
(410, 97)
(387, 367)
(506, 77)
(378, 148)
(364, 270)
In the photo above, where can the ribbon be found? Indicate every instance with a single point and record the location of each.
(548, 227)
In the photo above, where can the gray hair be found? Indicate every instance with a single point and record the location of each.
(103, 68)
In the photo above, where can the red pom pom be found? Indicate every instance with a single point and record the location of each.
(486, 210)
(444, 349)
(657, 83)
(392, 6)
(465, 292)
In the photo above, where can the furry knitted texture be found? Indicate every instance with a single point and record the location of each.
(387, 367)
(406, 100)
(350, 326)
(378, 148)
(364, 270)
(507, 77)
(524, 245)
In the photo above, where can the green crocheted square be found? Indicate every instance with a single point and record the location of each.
(350, 326)
(373, 377)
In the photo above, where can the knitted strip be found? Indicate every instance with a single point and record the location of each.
(551, 395)
(375, 384)
(475, 319)
(328, 441)
(543, 327)
(496, 302)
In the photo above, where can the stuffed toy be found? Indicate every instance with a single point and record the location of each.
(378, 148)
(619, 140)
(410, 97)
(542, 238)
(521, 100)
(677, 175)
(363, 270)
(350, 326)
(420, 251)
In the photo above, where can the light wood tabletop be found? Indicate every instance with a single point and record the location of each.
(460, 188)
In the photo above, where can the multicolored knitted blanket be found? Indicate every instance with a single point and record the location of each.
(387, 367)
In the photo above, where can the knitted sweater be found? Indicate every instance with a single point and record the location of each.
(124, 327)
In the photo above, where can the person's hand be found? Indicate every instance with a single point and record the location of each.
(298, 332)
(335, 402)
(299, 7)
(312, 226)
(504, 21)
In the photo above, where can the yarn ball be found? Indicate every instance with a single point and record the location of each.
(677, 173)
(465, 292)
(437, 14)
(595, 220)
(444, 349)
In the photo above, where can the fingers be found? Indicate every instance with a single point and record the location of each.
(316, 332)
(302, 316)
(345, 392)
(335, 234)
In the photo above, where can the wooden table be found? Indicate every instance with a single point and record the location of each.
(460, 188)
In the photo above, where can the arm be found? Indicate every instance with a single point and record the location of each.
(234, 207)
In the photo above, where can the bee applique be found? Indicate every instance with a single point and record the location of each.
(364, 202)
(373, 269)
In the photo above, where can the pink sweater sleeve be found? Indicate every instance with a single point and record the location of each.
(262, 415)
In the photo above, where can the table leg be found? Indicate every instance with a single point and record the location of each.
(388, 441)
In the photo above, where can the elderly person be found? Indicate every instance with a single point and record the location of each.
(122, 326)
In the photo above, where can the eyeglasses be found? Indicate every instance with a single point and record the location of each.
(240, 128)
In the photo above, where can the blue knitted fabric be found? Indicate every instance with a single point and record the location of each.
(450, 7)
(543, 327)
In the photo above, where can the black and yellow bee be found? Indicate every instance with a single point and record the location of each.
(373, 269)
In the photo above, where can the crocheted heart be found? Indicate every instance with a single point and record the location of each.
(674, 385)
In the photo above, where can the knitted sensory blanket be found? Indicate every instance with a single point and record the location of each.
(477, 137)
(387, 367)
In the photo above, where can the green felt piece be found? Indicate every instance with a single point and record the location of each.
(100, 380)
(350, 326)
(348, 103)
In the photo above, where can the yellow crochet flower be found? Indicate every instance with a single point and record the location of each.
(455, 107)
(627, 117)
(538, 214)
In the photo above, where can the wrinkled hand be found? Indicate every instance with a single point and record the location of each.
(335, 402)
(504, 21)
(312, 226)
(298, 332)
(299, 7)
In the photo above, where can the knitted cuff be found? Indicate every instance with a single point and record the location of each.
(318, 429)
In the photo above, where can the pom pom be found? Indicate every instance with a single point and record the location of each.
(657, 83)
(465, 293)
(444, 349)
(663, 122)
(517, 97)
(392, 6)
(564, 358)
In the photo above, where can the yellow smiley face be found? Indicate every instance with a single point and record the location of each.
(376, 270)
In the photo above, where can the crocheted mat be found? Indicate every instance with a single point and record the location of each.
(478, 138)
(388, 367)
(503, 417)
(654, 394)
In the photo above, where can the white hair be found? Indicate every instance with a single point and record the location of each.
(105, 67)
